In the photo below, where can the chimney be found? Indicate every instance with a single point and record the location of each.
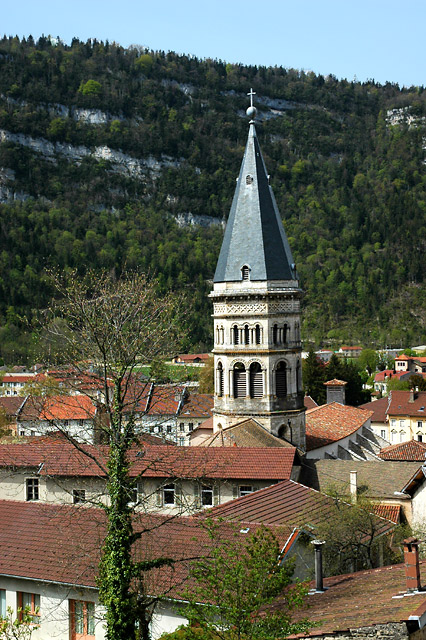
(336, 391)
(353, 485)
(412, 395)
(412, 566)
(319, 579)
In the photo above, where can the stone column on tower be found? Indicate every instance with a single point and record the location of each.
(256, 309)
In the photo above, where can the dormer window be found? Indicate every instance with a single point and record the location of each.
(245, 272)
(249, 179)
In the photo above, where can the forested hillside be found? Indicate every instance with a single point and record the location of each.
(106, 153)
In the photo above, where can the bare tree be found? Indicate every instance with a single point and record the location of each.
(106, 329)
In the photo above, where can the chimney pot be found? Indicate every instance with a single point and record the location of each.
(353, 485)
(412, 565)
(319, 578)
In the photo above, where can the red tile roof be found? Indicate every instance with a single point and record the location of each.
(335, 383)
(197, 405)
(65, 541)
(378, 407)
(410, 451)
(285, 503)
(51, 408)
(362, 599)
(400, 404)
(190, 357)
(381, 376)
(309, 402)
(332, 422)
(15, 378)
(63, 459)
(247, 433)
(11, 404)
(391, 512)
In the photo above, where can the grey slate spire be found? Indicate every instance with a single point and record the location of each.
(254, 234)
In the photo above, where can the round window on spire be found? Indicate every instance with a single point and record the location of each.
(245, 272)
(249, 179)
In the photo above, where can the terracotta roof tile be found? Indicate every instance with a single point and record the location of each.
(309, 402)
(362, 599)
(332, 422)
(197, 405)
(400, 404)
(63, 459)
(378, 407)
(410, 451)
(391, 512)
(286, 503)
(247, 433)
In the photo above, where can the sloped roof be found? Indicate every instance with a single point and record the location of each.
(197, 405)
(375, 479)
(11, 404)
(51, 408)
(391, 512)
(332, 422)
(247, 433)
(378, 407)
(254, 234)
(410, 451)
(400, 404)
(309, 402)
(61, 458)
(362, 599)
(32, 530)
(285, 503)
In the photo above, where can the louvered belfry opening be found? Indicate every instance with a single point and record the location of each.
(246, 334)
(275, 334)
(257, 334)
(240, 381)
(236, 335)
(256, 380)
(220, 379)
(245, 272)
(281, 380)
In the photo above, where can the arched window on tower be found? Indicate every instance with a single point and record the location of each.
(220, 379)
(240, 388)
(245, 272)
(256, 380)
(281, 380)
(257, 334)
(275, 334)
(246, 334)
(298, 380)
(235, 334)
(285, 333)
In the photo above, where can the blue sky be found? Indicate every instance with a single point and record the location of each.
(380, 39)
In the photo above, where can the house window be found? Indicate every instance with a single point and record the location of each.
(169, 494)
(181, 442)
(181, 427)
(2, 603)
(206, 496)
(66, 423)
(190, 426)
(393, 435)
(151, 429)
(401, 436)
(402, 423)
(420, 437)
(78, 496)
(82, 616)
(80, 422)
(245, 489)
(31, 603)
(160, 429)
(393, 423)
(169, 428)
(32, 489)
(383, 433)
(419, 424)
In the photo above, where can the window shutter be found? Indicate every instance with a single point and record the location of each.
(159, 496)
(216, 496)
(256, 384)
(197, 502)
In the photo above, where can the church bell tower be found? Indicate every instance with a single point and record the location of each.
(256, 309)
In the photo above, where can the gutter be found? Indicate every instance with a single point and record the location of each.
(419, 616)
(45, 581)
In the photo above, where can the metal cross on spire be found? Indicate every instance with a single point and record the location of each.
(251, 94)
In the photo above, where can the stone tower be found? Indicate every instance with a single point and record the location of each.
(256, 310)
